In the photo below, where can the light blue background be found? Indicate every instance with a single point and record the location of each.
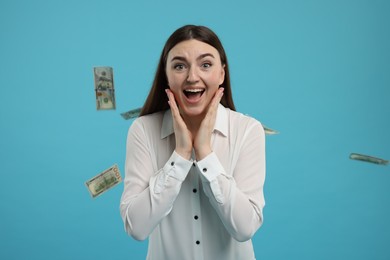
(317, 71)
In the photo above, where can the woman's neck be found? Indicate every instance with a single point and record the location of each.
(193, 123)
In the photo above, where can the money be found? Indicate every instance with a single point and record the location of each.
(104, 88)
(269, 131)
(367, 158)
(131, 114)
(104, 181)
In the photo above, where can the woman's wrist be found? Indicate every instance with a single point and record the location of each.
(202, 153)
(185, 154)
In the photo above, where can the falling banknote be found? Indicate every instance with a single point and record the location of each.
(104, 88)
(131, 114)
(366, 158)
(104, 181)
(269, 131)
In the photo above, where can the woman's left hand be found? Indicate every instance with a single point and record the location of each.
(202, 140)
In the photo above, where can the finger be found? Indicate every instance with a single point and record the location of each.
(172, 101)
(174, 108)
(217, 98)
(169, 95)
(215, 102)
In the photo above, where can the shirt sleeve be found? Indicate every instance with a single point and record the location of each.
(238, 197)
(148, 196)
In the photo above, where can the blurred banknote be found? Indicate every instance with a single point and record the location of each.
(367, 158)
(269, 131)
(104, 88)
(131, 114)
(104, 181)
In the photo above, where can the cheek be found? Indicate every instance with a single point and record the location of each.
(221, 77)
(214, 80)
(174, 81)
(174, 85)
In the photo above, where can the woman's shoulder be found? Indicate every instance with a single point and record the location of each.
(149, 121)
(239, 118)
(243, 124)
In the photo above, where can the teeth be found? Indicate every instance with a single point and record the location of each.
(194, 90)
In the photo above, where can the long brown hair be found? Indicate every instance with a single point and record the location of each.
(157, 99)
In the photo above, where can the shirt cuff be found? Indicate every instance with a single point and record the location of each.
(210, 167)
(177, 167)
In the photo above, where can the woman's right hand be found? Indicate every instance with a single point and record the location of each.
(183, 136)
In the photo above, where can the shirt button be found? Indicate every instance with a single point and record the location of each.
(197, 242)
(196, 217)
(172, 163)
(204, 169)
(193, 164)
(194, 190)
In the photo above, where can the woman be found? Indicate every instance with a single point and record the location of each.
(195, 168)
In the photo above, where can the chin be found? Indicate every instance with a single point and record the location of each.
(193, 112)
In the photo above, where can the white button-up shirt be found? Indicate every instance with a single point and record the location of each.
(190, 209)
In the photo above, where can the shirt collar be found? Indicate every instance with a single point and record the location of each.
(221, 122)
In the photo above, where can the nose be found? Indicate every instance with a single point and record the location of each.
(192, 76)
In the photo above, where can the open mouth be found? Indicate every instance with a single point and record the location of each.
(193, 93)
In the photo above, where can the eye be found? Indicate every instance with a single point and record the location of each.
(206, 65)
(179, 66)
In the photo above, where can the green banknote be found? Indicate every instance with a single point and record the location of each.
(104, 88)
(269, 131)
(367, 158)
(104, 181)
(131, 113)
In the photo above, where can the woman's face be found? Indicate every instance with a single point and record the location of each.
(194, 73)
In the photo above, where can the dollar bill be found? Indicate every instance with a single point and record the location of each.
(131, 113)
(104, 181)
(104, 88)
(367, 158)
(269, 131)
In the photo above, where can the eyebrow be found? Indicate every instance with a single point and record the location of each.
(199, 58)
